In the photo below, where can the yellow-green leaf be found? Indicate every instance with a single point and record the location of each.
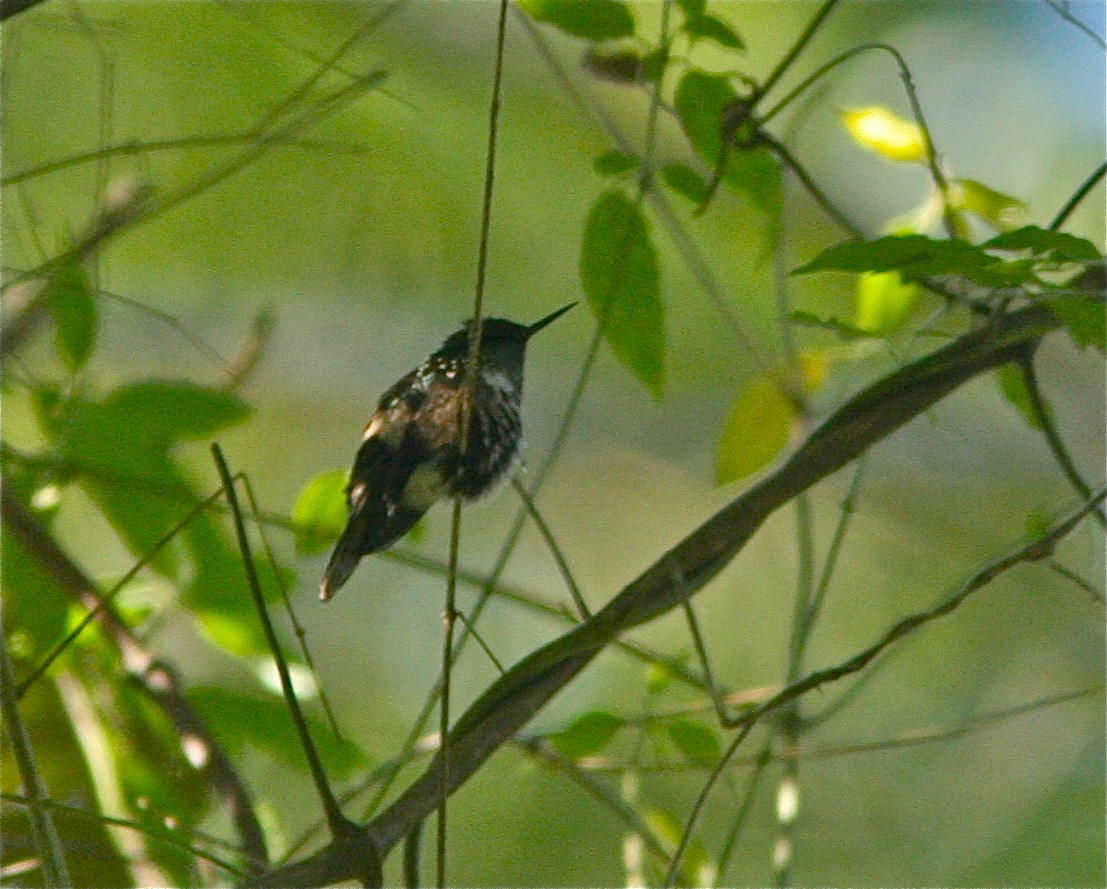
(884, 302)
(757, 430)
(1000, 210)
(885, 132)
(696, 868)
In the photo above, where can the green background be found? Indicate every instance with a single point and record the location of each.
(368, 259)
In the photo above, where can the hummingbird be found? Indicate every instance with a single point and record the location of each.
(410, 455)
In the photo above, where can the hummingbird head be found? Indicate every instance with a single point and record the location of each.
(502, 342)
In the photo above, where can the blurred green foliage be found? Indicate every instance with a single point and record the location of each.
(360, 232)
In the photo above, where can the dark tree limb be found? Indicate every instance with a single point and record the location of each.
(509, 703)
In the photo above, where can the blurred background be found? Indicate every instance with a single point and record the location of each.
(364, 250)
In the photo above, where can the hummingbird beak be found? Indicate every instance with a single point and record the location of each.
(549, 319)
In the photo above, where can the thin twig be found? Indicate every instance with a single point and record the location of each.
(135, 147)
(1077, 196)
(1061, 8)
(554, 548)
(465, 409)
(338, 822)
(1033, 551)
(1052, 435)
(793, 53)
(51, 855)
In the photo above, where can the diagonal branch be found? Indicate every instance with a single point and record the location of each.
(510, 702)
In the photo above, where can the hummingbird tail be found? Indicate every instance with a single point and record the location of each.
(341, 565)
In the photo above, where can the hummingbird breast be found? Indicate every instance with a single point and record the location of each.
(495, 437)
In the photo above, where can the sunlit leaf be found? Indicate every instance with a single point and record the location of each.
(1012, 383)
(756, 431)
(696, 742)
(708, 27)
(885, 132)
(320, 513)
(594, 20)
(884, 302)
(1001, 210)
(587, 735)
(73, 308)
(618, 271)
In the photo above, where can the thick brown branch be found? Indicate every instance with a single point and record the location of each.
(509, 703)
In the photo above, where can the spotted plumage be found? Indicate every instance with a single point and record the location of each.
(409, 456)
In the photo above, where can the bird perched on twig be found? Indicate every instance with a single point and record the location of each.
(410, 455)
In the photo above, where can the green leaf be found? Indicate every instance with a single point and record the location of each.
(157, 414)
(593, 20)
(1012, 383)
(917, 256)
(1085, 318)
(757, 430)
(1001, 210)
(614, 163)
(588, 734)
(76, 320)
(121, 447)
(755, 173)
(320, 513)
(695, 741)
(685, 181)
(618, 271)
(701, 100)
(92, 854)
(692, 9)
(239, 719)
(1049, 245)
(708, 27)
(884, 302)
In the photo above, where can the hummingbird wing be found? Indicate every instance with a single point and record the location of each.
(394, 481)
